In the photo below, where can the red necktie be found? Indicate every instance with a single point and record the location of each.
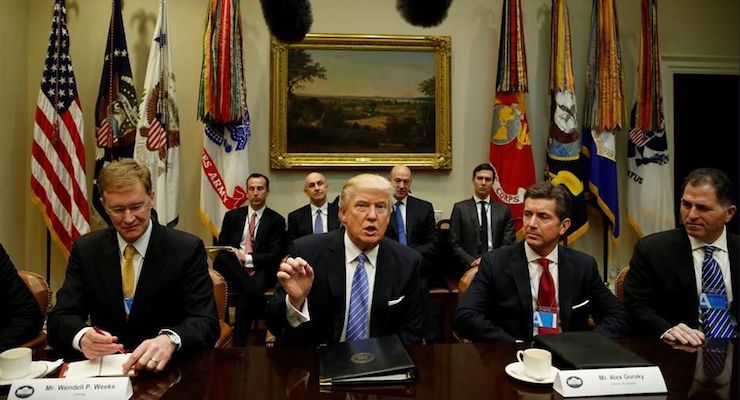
(250, 238)
(546, 294)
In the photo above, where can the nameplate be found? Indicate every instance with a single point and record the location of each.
(609, 381)
(64, 389)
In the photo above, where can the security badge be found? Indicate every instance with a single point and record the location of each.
(546, 317)
(712, 301)
(128, 302)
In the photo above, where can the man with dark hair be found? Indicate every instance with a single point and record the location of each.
(537, 287)
(681, 283)
(351, 283)
(258, 235)
(319, 215)
(20, 315)
(479, 224)
(135, 285)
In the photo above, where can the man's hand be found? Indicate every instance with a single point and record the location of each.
(240, 255)
(151, 355)
(475, 263)
(683, 335)
(96, 344)
(296, 278)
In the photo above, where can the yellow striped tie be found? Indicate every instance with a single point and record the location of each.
(127, 271)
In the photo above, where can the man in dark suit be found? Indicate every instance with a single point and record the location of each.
(20, 315)
(412, 222)
(536, 286)
(470, 237)
(319, 215)
(142, 285)
(258, 235)
(351, 283)
(667, 291)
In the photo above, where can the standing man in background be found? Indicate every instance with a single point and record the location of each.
(318, 216)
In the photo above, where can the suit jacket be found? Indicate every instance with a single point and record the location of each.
(20, 315)
(396, 278)
(300, 221)
(421, 230)
(269, 242)
(660, 288)
(174, 291)
(465, 230)
(498, 304)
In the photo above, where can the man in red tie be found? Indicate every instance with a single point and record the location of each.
(258, 234)
(537, 287)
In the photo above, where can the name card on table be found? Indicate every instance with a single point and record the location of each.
(609, 381)
(64, 389)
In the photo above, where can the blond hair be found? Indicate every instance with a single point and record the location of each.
(364, 182)
(124, 172)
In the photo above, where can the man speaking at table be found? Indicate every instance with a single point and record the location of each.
(351, 283)
(537, 287)
(143, 286)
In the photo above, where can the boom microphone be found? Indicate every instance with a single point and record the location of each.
(424, 13)
(288, 20)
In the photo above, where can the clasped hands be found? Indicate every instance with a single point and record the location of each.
(151, 355)
(296, 277)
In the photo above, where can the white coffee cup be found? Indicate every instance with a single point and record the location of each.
(15, 363)
(536, 362)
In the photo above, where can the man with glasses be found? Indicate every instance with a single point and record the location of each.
(136, 285)
(351, 283)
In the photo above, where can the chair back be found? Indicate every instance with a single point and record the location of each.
(465, 281)
(219, 293)
(39, 288)
(619, 282)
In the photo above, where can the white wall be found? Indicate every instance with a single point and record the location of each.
(686, 28)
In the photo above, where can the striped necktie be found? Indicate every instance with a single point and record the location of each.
(357, 317)
(716, 322)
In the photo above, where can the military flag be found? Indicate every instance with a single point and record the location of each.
(510, 148)
(563, 162)
(158, 141)
(649, 178)
(58, 185)
(222, 106)
(605, 109)
(116, 110)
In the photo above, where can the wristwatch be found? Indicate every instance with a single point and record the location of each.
(174, 339)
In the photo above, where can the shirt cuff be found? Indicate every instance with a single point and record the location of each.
(248, 261)
(178, 340)
(78, 337)
(665, 333)
(295, 317)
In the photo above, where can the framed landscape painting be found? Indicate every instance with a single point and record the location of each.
(360, 101)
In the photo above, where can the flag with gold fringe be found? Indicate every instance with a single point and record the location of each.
(158, 140)
(510, 148)
(117, 107)
(649, 177)
(605, 109)
(222, 106)
(563, 163)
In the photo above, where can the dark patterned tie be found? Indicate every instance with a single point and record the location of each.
(483, 228)
(716, 322)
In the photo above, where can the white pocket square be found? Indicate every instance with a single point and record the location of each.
(396, 301)
(579, 305)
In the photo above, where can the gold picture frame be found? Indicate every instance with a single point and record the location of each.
(355, 101)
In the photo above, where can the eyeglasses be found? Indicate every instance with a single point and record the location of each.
(134, 208)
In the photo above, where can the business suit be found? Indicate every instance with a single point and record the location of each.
(465, 229)
(421, 231)
(396, 278)
(268, 247)
(300, 221)
(498, 304)
(20, 316)
(660, 289)
(173, 291)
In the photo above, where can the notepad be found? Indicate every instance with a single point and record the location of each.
(110, 365)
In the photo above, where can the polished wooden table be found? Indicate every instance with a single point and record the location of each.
(444, 371)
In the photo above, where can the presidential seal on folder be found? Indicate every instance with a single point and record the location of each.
(382, 360)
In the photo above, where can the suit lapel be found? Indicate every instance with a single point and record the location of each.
(333, 217)
(262, 226)
(307, 218)
(685, 264)
(520, 272)
(410, 215)
(473, 214)
(381, 291)
(151, 269)
(336, 273)
(109, 260)
(566, 278)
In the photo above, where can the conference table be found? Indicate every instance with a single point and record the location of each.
(444, 371)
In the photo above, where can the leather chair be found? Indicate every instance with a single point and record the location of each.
(219, 292)
(619, 283)
(465, 281)
(41, 292)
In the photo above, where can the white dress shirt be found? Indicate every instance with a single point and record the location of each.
(535, 272)
(324, 212)
(488, 214)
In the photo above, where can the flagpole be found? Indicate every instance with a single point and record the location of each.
(48, 257)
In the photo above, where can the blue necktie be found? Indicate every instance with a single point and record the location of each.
(357, 316)
(318, 225)
(716, 322)
(401, 225)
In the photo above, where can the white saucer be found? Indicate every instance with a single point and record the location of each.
(38, 368)
(516, 371)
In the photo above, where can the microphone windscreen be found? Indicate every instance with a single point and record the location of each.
(424, 13)
(288, 20)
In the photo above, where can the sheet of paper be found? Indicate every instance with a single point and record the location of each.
(110, 365)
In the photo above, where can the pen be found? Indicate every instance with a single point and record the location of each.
(98, 330)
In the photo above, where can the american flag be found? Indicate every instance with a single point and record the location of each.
(638, 137)
(58, 182)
